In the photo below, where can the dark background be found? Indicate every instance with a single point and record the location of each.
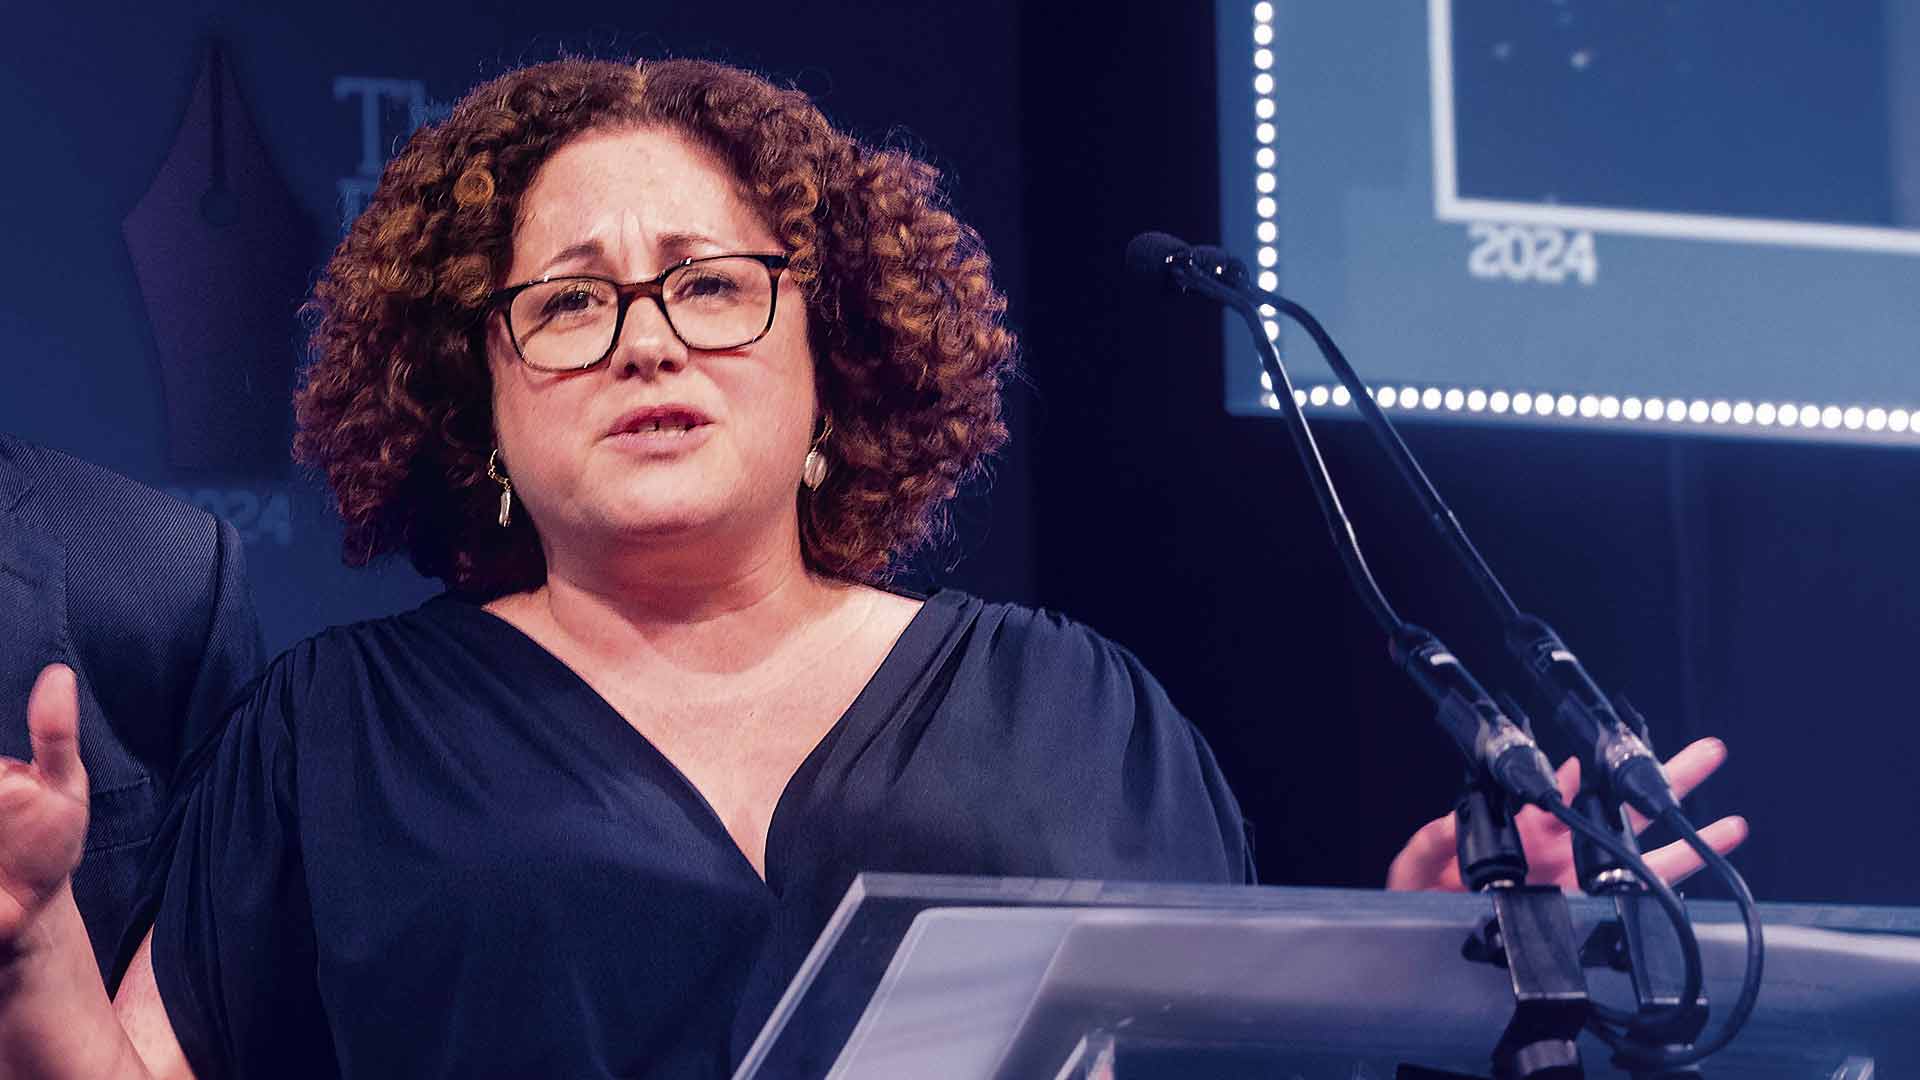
(1754, 591)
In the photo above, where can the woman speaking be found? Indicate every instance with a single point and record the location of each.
(661, 374)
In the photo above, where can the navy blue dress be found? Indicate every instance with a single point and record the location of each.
(426, 848)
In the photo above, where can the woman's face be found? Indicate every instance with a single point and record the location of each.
(586, 458)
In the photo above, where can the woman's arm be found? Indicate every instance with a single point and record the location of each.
(144, 1019)
(55, 1019)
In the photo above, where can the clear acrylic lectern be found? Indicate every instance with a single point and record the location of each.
(1000, 978)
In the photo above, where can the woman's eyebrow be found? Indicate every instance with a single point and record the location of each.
(686, 242)
(584, 249)
(678, 244)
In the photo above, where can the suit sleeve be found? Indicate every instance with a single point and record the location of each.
(230, 652)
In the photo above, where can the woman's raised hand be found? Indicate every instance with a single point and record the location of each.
(1429, 859)
(43, 806)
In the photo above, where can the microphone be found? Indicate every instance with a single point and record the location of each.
(1159, 259)
(1172, 264)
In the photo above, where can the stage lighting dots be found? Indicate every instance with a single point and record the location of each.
(1609, 407)
(1269, 280)
(1263, 108)
(1263, 34)
(1271, 401)
(1498, 401)
(1268, 257)
(1721, 412)
(1387, 397)
(1656, 409)
(1522, 403)
(1764, 413)
(1789, 414)
(1454, 400)
(1698, 412)
(1876, 419)
(1318, 396)
(1743, 412)
(1476, 400)
(1409, 397)
(1263, 58)
(1264, 157)
(1263, 12)
(1676, 410)
(1830, 417)
(1268, 232)
(1266, 382)
(1630, 408)
(1589, 406)
(1853, 418)
(1897, 420)
(1263, 132)
(1341, 397)
(1263, 83)
(1810, 416)
(1264, 182)
(1265, 207)
(1300, 398)
(1566, 405)
(1273, 330)
(1430, 399)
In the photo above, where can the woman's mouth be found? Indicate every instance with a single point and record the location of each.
(661, 428)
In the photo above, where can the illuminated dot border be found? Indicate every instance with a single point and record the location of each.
(1651, 411)
(1265, 106)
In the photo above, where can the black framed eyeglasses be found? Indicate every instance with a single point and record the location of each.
(572, 322)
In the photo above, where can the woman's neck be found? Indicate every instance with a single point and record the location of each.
(705, 617)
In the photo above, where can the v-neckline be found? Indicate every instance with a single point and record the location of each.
(918, 640)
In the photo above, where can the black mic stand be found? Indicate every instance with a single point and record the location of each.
(1531, 933)
(1619, 767)
(1639, 942)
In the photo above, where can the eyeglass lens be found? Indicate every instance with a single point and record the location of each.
(711, 304)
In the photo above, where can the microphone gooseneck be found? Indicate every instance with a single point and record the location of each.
(1487, 737)
(1578, 704)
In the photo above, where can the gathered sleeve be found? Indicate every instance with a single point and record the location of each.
(233, 939)
(1137, 785)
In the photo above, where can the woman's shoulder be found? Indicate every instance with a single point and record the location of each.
(1042, 663)
(431, 646)
(1024, 638)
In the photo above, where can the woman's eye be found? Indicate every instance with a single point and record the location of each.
(569, 301)
(706, 286)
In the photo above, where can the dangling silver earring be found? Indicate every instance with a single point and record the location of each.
(506, 487)
(813, 470)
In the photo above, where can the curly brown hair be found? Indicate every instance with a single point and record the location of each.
(905, 322)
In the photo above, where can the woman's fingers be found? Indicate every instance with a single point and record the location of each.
(1568, 777)
(1427, 860)
(1686, 770)
(53, 724)
(1676, 862)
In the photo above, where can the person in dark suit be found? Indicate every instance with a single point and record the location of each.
(146, 600)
